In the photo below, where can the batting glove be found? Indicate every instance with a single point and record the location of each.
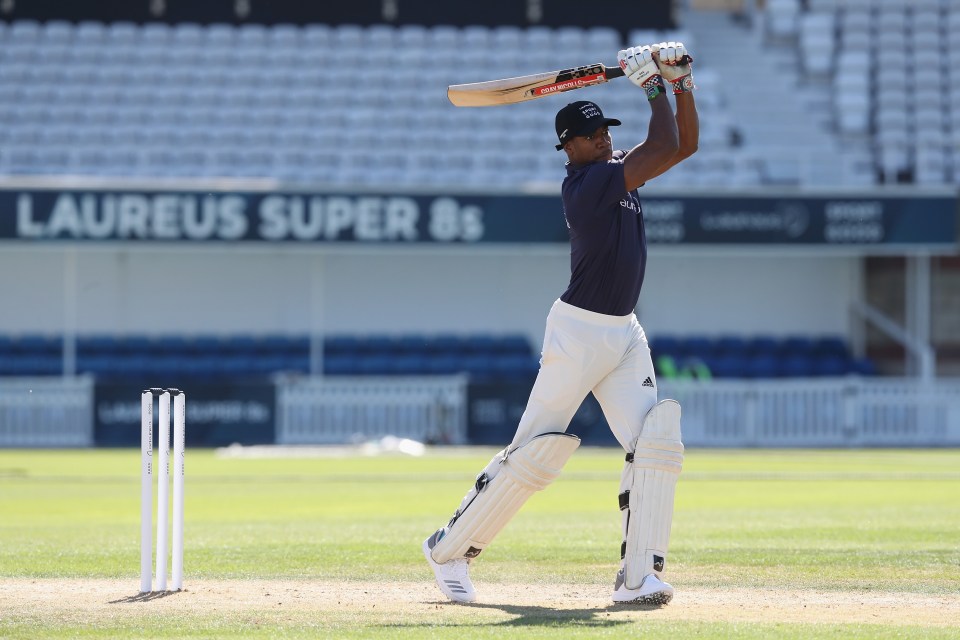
(640, 67)
(675, 65)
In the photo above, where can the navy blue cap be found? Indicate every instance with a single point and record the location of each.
(579, 119)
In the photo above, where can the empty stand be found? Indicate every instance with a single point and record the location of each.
(911, 126)
(220, 100)
(192, 358)
(483, 356)
(757, 357)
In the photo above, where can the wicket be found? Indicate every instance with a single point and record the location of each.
(146, 487)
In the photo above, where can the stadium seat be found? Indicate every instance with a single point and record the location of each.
(664, 345)
(220, 77)
(830, 365)
(444, 363)
(830, 346)
(760, 367)
(797, 365)
(479, 365)
(730, 344)
(512, 366)
(699, 347)
(727, 366)
(340, 365)
(409, 364)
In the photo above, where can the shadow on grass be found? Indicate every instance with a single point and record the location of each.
(533, 616)
(144, 597)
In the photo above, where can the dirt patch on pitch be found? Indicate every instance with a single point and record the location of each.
(99, 602)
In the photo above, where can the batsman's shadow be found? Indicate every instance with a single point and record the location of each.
(540, 616)
(144, 597)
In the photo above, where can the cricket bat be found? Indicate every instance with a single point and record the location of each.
(523, 88)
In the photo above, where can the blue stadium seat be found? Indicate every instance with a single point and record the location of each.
(409, 364)
(515, 366)
(136, 366)
(373, 365)
(445, 343)
(201, 366)
(243, 345)
(730, 344)
(97, 345)
(340, 365)
(171, 345)
(207, 345)
(33, 365)
(480, 365)
(699, 346)
(727, 366)
(295, 363)
(762, 345)
(796, 345)
(379, 345)
(238, 364)
(761, 367)
(864, 367)
(797, 365)
(38, 345)
(830, 346)
(341, 345)
(830, 365)
(666, 346)
(516, 344)
(103, 365)
(167, 366)
(265, 364)
(136, 345)
(444, 363)
(11, 365)
(280, 344)
(480, 344)
(412, 343)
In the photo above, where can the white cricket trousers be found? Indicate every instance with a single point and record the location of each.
(582, 352)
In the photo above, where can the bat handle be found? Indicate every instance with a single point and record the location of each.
(613, 72)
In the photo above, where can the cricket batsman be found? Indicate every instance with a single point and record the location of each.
(594, 343)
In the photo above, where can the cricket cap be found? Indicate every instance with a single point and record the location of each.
(579, 119)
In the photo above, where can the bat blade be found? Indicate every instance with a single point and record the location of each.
(523, 88)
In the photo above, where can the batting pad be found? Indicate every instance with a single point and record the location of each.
(647, 490)
(503, 487)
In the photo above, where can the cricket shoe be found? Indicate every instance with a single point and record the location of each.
(453, 577)
(651, 591)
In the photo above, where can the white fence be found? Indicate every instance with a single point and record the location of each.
(836, 412)
(46, 412)
(841, 412)
(343, 410)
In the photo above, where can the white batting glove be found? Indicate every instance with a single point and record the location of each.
(675, 65)
(640, 67)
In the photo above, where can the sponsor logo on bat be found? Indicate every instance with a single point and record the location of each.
(567, 85)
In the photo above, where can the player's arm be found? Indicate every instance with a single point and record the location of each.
(645, 160)
(680, 76)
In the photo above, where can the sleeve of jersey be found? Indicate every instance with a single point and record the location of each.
(595, 188)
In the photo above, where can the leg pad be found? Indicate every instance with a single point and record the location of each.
(503, 487)
(647, 491)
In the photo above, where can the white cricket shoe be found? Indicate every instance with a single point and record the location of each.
(651, 591)
(453, 577)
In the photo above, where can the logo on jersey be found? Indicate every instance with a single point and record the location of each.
(631, 204)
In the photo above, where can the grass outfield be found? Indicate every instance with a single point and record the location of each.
(766, 544)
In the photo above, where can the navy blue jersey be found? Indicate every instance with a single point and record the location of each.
(608, 246)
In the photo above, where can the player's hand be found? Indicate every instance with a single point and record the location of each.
(675, 65)
(640, 67)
